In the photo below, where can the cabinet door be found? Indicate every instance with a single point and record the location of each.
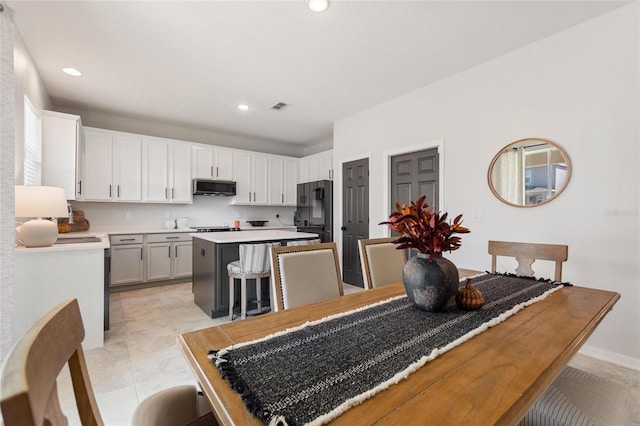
(182, 254)
(223, 161)
(325, 165)
(158, 261)
(303, 170)
(98, 166)
(242, 173)
(156, 170)
(290, 168)
(260, 178)
(202, 162)
(126, 264)
(60, 143)
(128, 168)
(180, 174)
(276, 181)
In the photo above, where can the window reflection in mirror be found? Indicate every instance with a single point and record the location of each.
(529, 172)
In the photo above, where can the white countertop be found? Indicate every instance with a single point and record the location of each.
(245, 236)
(103, 244)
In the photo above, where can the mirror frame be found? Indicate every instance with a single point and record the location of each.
(519, 141)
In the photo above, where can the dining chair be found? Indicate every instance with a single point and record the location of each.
(526, 253)
(254, 263)
(304, 274)
(29, 394)
(381, 262)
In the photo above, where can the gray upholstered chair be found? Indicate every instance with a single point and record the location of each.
(29, 394)
(254, 263)
(526, 253)
(381, 262)
(304, 274)
(580, 398)
(575, 397)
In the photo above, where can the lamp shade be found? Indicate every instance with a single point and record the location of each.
(40, 201)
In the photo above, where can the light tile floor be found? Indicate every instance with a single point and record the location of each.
(141, 356)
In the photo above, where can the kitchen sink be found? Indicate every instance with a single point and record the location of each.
(76, 240)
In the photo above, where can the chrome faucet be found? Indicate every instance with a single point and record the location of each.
(70, 213)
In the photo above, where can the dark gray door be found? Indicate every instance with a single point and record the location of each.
(413, 175)
(355, 217)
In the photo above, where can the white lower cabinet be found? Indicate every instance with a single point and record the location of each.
(150, 257)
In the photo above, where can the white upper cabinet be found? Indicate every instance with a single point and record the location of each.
(166, 171)
(112, 166)
(316, 167)
(251, 176)
(212, 163)
(60, 147)
(282, 181)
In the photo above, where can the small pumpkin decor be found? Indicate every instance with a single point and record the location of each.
(469, 298)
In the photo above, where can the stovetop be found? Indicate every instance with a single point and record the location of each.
(214, 228)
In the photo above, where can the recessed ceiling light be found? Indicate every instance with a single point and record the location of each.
(318, 5)
(243, 107)
(72, 71)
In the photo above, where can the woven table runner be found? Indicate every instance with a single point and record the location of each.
(312, 373)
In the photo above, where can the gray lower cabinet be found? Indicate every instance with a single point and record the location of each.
(168, 256)
(127, 264)
(150, 257)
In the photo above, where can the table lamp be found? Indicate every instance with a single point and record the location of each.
(39, 202)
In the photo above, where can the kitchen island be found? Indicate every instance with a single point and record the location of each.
(212, 251)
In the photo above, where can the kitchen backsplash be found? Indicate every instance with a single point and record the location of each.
(205, 211)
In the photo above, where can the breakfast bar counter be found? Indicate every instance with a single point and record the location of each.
(212, 251)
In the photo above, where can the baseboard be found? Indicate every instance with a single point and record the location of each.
(612, 357)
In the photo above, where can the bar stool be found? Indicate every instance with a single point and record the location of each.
(254, 263)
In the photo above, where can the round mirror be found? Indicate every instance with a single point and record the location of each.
(529, 172)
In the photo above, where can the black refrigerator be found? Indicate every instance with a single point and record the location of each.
(314, 210)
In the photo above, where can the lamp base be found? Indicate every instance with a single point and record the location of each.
(37, 233)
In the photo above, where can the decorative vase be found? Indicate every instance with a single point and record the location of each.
(430, 284)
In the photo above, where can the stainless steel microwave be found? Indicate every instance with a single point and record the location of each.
(222, 188)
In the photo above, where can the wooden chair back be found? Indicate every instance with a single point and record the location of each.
(526, 253)
(381, 262)
(304, 274)
(29, 395)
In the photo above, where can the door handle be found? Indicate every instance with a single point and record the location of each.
(343, 228)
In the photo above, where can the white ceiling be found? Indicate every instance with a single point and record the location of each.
(191, 63)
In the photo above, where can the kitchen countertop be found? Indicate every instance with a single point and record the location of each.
(101, 245)
(245, 236)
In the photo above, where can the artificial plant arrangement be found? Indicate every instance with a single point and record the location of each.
(424, 230)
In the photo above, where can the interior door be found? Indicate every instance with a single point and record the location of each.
(355, 217)
(413, 175)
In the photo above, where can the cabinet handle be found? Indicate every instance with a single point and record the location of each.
(202, 252)
(140, 253)
(169, 252)
(118, 191)
(109, 191)
(176, 252)
(165, 192)
(211, 171)
(172, 238)
(254, 197)
(249, 197)
(80, 188)
(126, 239)
(217, 174)
(282, 198)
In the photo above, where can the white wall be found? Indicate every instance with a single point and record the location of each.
(579, 88)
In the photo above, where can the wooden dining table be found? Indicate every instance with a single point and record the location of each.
(493, 378)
